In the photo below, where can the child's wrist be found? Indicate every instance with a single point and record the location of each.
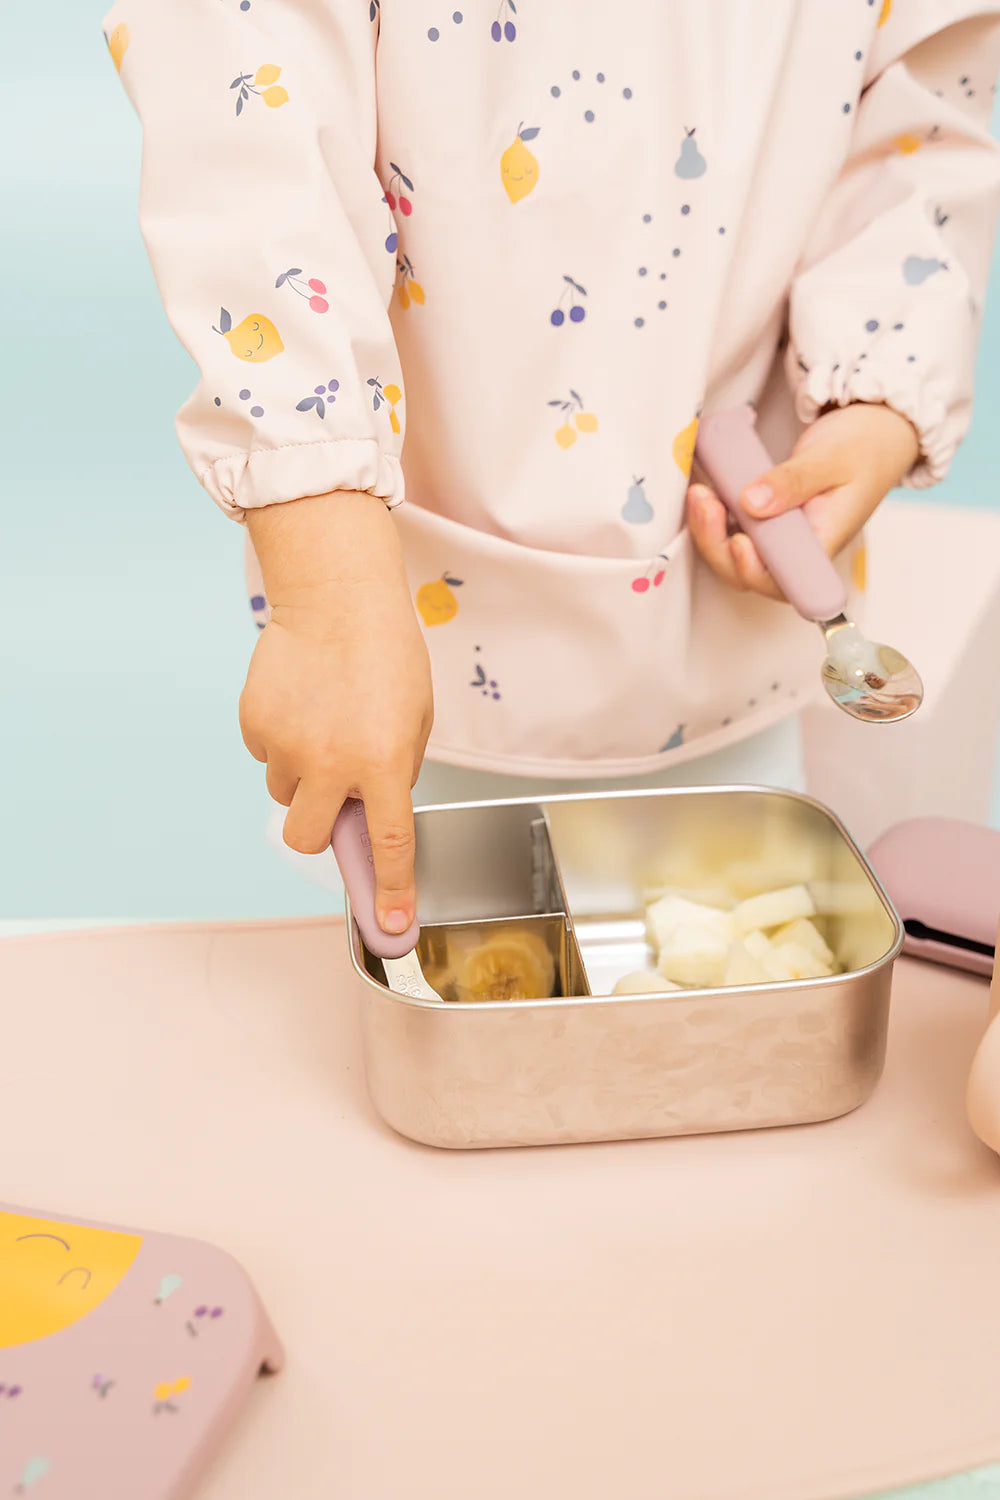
(313, 550)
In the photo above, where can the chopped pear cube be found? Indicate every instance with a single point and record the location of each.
(773, 909)
(804, 934)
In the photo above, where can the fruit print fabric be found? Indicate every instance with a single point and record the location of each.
(580, 207)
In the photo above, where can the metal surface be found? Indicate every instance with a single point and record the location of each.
(406, 977)
(600, 1068)
(869, 681)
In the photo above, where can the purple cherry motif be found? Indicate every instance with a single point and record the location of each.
(569, 302)
(322, 397)
(504, 28)
(203, 1316)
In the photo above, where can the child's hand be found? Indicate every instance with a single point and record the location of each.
(338, 696)
(842, 467)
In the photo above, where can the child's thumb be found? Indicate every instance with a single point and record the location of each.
(792, 484)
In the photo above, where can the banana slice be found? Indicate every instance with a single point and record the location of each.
(512, 965)
(804, 934)
(773, 909)
(644, 982)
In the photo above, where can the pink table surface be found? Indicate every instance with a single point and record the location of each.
(803, 1313)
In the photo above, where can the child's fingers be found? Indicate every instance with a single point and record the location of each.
(751, 570)
(281, 780)
(312, 814)
(709, 532)
(812, 470)
(389, 810)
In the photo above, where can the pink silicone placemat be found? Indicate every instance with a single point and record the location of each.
(806, 1314)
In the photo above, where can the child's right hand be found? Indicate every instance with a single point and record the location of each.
(338, 697)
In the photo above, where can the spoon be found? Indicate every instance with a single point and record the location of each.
(869, 681)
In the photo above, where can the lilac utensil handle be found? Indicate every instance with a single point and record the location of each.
(352, 848)
(733, 456)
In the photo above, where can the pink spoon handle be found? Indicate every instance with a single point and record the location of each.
(733, 456)
(352, 850)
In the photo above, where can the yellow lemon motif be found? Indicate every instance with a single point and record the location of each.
(267, 73)
(683, 449)
(274, 96)
(392, 394)
(586, 421)
(565, 436)
(255, 339)
(859, 569)
(417, 293)
(118, 45)
(52, 1274)
(436, 602)
(885, 12)
(402, 292)
(907, 143)
(518, 166)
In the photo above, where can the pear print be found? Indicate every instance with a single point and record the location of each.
(683, 446)
(519, 166)
(34, 1470)
(916, 269)
(577, 420)
(436, 602)
(690, 163)
(637, 509)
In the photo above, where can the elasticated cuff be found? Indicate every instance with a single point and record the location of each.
(937, 430)
(269, 476)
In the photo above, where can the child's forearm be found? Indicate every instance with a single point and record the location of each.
(313, 549)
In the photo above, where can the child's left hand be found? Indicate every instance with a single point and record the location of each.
(842, 467)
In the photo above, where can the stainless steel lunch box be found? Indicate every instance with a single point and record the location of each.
(586, 1066)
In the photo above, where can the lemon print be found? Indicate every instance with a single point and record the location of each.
(118, 45)
(576, 419)
(52, 1274)
(518, 165)
(409, 289)
(907, 143)
(859, 569)
(393, 396)
(255, 339)
(267, 73)
(683, 449)
(275, 96)
(436, 602)
(885, 12)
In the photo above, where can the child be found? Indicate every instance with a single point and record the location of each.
(545, 237)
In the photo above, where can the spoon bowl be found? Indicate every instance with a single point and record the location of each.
(869, 681)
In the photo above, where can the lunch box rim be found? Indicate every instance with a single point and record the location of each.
(849, 976)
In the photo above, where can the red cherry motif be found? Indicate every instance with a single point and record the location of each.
(405, 207)
(640, 585)
(390, 198)
(317, 286)
(659, 578)
(319, 304)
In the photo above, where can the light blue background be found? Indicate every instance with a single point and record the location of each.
(127, 793)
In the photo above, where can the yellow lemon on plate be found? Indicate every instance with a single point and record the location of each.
(518, 165)
(436, 602)
(52, 1274)
(683, 449)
